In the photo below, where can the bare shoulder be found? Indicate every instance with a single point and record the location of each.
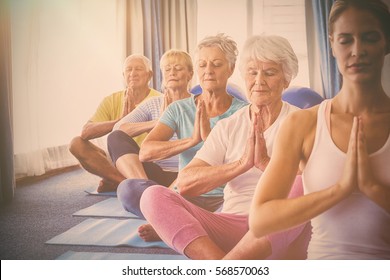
(298, 132)
(302, 120)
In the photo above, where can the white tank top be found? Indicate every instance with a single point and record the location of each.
(355, 228)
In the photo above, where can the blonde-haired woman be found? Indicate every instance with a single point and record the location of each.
(177, 71)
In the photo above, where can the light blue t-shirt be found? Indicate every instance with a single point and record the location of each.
(180, 116)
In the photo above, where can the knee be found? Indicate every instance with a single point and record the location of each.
(114, 136)
(119, 144)
(153, 198)
(126, 192)
(118, 137)
(129, 193)
(76, 146)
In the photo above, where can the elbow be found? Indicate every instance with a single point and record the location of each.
(256, 224)
(84, 134)
(123, 127)
(145, 154)
(185, 186)
(184, 190)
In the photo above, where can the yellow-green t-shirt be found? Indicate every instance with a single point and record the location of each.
(111, 107)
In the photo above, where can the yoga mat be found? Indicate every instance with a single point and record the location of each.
(105, 232)
(71, 255)
(111, 208)
(93, 191)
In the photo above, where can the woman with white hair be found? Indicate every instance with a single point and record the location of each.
(235, 153)
(193, 118)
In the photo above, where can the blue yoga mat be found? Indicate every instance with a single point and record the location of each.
(71, 255)
(105, 232)
(93, 191)
(109, 208)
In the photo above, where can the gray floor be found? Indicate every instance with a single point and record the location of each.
(43, 210)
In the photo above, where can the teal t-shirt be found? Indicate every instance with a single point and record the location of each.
(180, 116)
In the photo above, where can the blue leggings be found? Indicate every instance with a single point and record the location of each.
(129, 193)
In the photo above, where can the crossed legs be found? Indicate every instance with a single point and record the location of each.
(200, 234)
(189, 229)
(94, 160)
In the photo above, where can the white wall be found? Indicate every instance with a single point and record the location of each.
(224, 16)
(72, 52)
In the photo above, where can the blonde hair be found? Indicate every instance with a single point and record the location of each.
(177, 54)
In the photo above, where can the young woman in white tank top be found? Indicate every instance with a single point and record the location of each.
(342, 146)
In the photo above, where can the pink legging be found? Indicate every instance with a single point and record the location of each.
(179, 222)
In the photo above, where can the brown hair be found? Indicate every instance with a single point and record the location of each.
(376, 7)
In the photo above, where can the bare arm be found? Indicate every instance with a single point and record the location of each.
(198, 177)
(380, 194)
(135, 129)
(374, 190)
(157, 145)
(137, 122)
(92, 130)
(270, 200)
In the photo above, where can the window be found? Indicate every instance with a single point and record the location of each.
(241, 19)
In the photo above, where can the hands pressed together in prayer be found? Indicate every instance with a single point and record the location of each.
(128, 102)
(168, 99)
(202, 126)
(357, 173)
(255, 153)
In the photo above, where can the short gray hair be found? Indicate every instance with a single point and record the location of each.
(270, 48)
(227, 45)
(145, 60)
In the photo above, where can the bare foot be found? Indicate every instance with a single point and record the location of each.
(147, 233)
(106, 186)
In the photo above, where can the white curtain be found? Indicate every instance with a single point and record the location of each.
(7, 179)
(66, 56)
(166, 24)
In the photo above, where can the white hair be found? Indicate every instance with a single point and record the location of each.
(145, 60)
(270, 48)
(227, 45)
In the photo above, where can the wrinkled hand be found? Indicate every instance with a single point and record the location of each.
(261, 121)
(167, 100)
(255, 153)
(247, 159)
(128, 102)
(204, 121)
(196, 134)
